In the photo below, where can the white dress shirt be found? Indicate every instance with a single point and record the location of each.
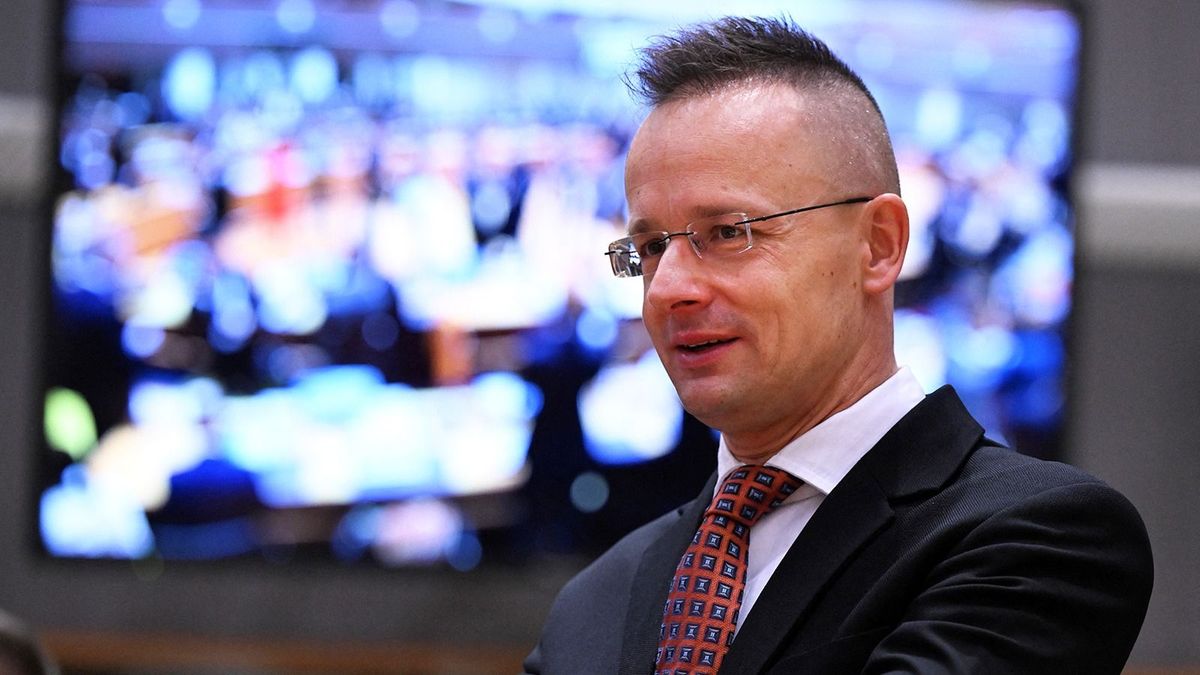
(820, 457)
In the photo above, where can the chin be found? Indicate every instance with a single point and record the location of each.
(707, 406)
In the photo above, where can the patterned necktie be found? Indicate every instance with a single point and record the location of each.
(706, 592)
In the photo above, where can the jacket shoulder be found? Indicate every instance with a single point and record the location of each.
(584, 630)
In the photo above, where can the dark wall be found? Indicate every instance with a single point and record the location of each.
(1136, 410)
(23, 39)
(1143, 94)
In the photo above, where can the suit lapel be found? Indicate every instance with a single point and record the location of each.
(844, 522)
(919, 454)
(648, 592)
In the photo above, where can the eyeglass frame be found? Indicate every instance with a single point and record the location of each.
(613, 249)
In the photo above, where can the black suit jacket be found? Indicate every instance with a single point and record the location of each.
(939, 552)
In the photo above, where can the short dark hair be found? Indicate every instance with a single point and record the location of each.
(707, 57)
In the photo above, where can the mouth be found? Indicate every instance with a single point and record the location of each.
(707, 345)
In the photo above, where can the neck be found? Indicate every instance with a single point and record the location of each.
(759, 445)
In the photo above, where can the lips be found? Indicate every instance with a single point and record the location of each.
(699, 354)
(697, 347)
(694, 344)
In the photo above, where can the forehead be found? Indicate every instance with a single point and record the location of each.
(735, 121)
(744, 148)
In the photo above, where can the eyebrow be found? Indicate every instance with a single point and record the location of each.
(642, 225)
(637, 226)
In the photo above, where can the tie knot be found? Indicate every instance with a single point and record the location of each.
(750, 492)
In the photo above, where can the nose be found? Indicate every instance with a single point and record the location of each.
(679, 280)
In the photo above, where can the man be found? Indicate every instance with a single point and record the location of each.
(767, 227)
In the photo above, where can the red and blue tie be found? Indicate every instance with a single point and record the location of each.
(702, 607)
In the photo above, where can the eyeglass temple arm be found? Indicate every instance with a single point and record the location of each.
(853, 200)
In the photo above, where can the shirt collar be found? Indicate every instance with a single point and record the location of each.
(823, 455)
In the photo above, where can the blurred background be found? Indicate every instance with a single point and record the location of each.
(312, 364)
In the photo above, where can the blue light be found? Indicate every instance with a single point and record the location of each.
(589, 492)
(253, 431)
(96, 274)
(189, 83)
(289, 304)
(282, 111)
(141, 341)
(497, 26)
(980, 356)
(506, 395)
(918, 345)
(1041, 352)
(394, 444)
(875, 51)
(82, 519)
(314, 75)
(95, 170)
(372, 80)
(296, 16)
(286, 363)
(449, 89)
(977, 233)
(154, 402)
(1046, 141)
(1037, 402)
(233, 317)
(380, 331)
(261, 73)
(421, 531)
(207, 541)
(80, 144)
(1036, 280)
(337, 392)
(630, 413)
(400, 18)
(181, 14)
(235, 321)
(491, 205)
(596, 329)
(466, 554)
(355, 532)
(972, 59)
(939, 117)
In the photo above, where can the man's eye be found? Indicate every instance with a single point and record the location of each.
(652, 248)
(729, 232)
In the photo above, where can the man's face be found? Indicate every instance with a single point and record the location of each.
(758, 343)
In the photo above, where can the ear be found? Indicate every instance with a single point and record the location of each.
(885, 227)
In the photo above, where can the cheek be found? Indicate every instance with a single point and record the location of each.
(652, 320)
(800, 308)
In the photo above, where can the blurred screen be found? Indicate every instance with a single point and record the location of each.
(326, 276)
